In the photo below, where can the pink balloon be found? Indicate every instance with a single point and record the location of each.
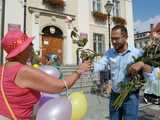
(55, 109)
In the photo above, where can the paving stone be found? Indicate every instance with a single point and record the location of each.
(98, 109)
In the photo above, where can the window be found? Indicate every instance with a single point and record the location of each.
(143, 44)
(135, 45)
(144, 34)
(140, 44)
(96, 5)
(116, 8)
(98, 43)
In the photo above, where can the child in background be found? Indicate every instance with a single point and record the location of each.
(53, 59)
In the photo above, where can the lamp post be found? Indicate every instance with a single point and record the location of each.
(25, 13)
(2, 27)
(108, 7)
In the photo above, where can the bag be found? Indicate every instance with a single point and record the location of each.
(105, 75)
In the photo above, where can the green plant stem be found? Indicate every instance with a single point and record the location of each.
(120, 99)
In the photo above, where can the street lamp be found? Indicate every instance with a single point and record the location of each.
(2, 28)
(108, 7)
(25, 14)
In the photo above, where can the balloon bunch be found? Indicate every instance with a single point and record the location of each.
(55, 107)
(73, 107)
(53, 71)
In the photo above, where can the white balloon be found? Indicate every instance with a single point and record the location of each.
(50, 70)
(55, 109)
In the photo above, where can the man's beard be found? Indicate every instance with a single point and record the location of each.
(119, 47)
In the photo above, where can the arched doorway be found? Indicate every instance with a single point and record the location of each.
(52, 42)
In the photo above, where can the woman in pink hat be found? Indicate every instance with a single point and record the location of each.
(21, 84)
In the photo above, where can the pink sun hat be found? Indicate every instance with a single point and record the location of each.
(15, 42)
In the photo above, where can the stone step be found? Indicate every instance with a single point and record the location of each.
(86, 81)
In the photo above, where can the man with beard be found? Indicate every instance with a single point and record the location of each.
(119, 57)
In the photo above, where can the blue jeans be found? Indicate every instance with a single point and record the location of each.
(128, 110)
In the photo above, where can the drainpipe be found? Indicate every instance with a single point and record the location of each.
(2, 27)
(25, 13)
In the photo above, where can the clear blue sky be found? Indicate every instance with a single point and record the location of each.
(146, 12)
(144, 9)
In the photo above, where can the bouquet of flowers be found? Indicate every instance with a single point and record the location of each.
(87, 54)
(151, 57)
(76, 38)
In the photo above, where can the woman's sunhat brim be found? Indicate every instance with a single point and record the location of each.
(20, 48)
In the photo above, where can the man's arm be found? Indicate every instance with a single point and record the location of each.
(136, 67)
(101, 64)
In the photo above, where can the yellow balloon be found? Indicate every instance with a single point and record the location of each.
(158, 75)
(79, 105)
(36, 65)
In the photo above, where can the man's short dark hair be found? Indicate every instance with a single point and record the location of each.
(122, 28)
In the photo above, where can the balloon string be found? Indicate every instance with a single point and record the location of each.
(66, 87)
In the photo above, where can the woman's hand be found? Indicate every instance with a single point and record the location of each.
(84, 67)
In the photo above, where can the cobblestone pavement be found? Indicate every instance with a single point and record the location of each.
(149, 112)
(98, 109)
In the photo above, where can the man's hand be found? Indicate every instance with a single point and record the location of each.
(135, 68)
(107, 88)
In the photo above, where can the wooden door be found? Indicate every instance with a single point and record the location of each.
(52, 45)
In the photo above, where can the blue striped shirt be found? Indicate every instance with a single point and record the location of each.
(118, 63)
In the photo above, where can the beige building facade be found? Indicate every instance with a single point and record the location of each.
(51, 22)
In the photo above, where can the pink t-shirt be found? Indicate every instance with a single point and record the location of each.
(21, 100)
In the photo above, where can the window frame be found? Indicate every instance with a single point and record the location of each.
(98, 40)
